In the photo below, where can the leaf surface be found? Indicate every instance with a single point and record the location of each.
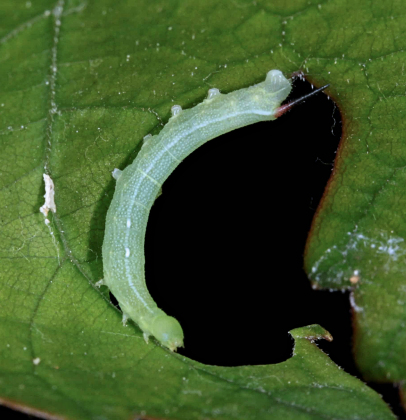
(358, 236)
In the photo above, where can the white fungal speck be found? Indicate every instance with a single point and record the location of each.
(36, 361)
(49, 197)
(127, 252)
(128, 223)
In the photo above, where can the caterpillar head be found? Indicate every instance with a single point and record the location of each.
(167, 331)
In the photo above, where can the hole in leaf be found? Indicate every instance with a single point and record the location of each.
(225, 241)
(114, 301)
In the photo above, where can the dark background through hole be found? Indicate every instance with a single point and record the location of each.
(225, 241)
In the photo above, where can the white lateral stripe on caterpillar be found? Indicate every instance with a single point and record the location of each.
(139, 184)
(198, 127)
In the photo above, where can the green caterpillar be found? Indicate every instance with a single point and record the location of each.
(140, 183)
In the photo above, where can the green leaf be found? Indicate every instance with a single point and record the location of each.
(82, 83)
(357, 240)
(147, 379)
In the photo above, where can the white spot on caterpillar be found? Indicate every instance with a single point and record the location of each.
(116, 173)
(127, 252)
(49, 197)
(176, 110)
(36, 361)
(128, 223)
(100, 283)
(146, 139)
(212, 93)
